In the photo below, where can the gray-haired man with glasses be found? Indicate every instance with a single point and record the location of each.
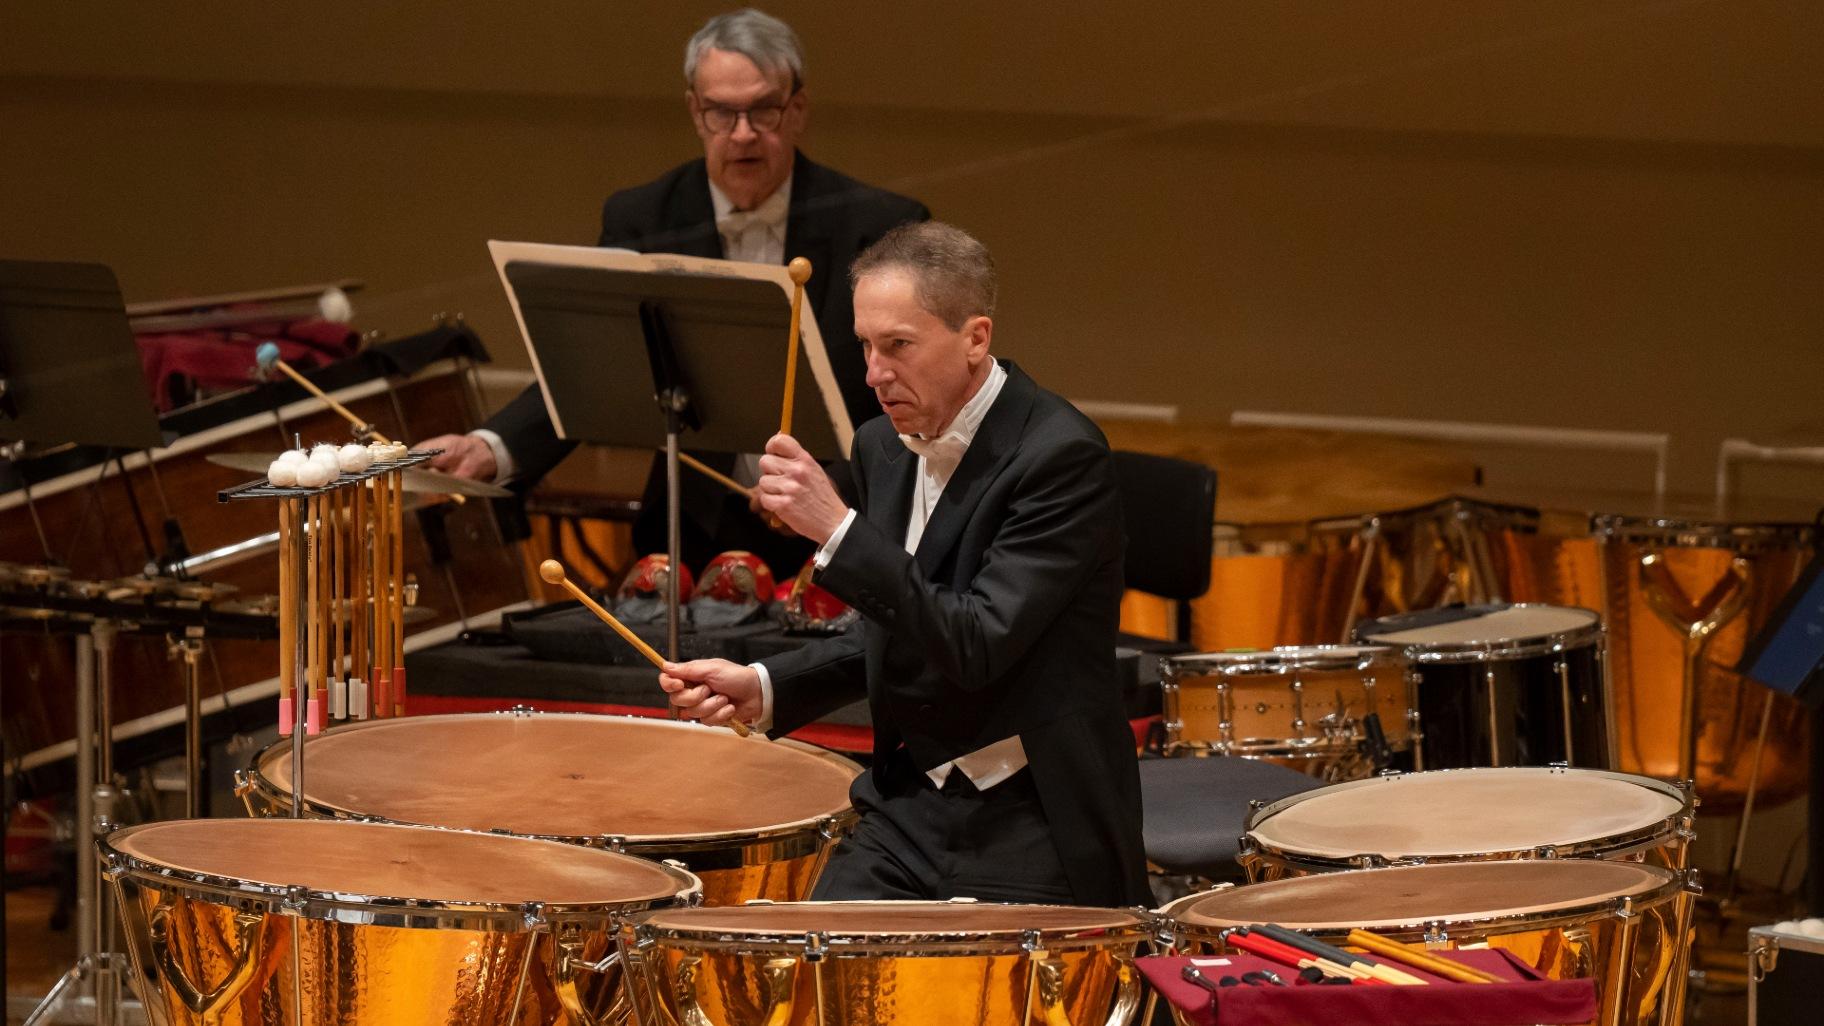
(752, 196)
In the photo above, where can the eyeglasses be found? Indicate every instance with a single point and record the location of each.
(722, 120)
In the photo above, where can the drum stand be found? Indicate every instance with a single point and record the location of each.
(94, 982)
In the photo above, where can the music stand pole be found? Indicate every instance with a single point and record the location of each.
(674, 401)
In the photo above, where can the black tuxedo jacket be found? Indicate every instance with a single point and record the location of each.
(1002, 623)
(831, 219)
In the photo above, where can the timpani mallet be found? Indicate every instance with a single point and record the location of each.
(714, 475)
(800, 271)
(553, 573)
(267, 355)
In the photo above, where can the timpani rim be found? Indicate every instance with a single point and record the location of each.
(1586, 635)
(1668, 885)
(121, 866)
(807, 833)
(1108, 928)
(1648, 835)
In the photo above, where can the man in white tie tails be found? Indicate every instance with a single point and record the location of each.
(984, 553)
(752, 196)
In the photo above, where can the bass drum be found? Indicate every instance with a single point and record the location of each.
(1471, 815)
(249, 922)
(913, 963)
(760, 821)
(1681, 598)
(1624, 925)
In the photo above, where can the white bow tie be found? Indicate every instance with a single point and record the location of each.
(769, 214)
(944, 451)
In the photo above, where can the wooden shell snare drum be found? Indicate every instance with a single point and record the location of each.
(914, 963)
(1305, 706)
(245, 922)
(754, 819)
(1622, 924)
(1468, 815)
(1503, 685)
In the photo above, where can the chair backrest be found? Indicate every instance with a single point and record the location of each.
(1170, 508)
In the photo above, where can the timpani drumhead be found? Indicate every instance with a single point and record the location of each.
(1483, 627)
(344, 862)
(886, 920)
(564, 775)
(1412, 896)
(1465, 812)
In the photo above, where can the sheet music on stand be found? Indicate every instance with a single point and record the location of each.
(637, 349)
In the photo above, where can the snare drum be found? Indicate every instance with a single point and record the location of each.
(1621, 924)
(753, 819)
(245, 922)
(1307, 706)
(913, 963)
(1503, 685)
(1470, 815)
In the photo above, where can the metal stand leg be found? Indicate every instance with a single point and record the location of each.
(87, 871)
(191, 649)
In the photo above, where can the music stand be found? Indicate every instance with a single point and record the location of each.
(613, 334)
(70, 373)
(69, 369)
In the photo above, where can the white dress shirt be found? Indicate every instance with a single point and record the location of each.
(938, 459)
(756, 236)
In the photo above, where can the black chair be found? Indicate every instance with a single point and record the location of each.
(1170, 509)
(1195, 809)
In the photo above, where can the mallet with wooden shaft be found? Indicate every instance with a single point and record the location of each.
(553, 573)
(268, 356)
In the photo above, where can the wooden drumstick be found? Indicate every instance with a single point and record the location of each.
(380, 674)
(397, 507)
(357, 587)
(800, 271)
(714, 475)
(288, 600)
(553, 573)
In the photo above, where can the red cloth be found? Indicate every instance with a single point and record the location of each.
(217, 360)
(1529, 999)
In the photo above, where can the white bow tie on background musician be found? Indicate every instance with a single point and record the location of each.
(755, 236)
(938, 459)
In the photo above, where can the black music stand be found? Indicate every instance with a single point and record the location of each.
(613, 333)
(69, 369)
(70, 372)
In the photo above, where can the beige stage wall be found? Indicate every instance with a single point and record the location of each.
(1604, 215)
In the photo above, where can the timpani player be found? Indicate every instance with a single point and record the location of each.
(985, 555)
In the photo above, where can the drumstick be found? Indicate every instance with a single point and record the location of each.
(268, 356)
(313, 599)
(553, 573)
(1379, 945)
(714, 475)
(800, 271)
(397, 507)
(357, 588)
(288, 612)
(380, 675)
(1285, 954)
(1319, 949)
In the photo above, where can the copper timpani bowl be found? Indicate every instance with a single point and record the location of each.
(245, 922)
(754, 819)
(913, 963)
(1625, 925)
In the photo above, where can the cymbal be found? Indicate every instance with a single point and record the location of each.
(426, 482)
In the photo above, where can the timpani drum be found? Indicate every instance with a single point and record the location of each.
(1619, 923)
(1682, 594)
(753, 819)
(1503, 685)
(913, 963)
(249, 922)
(1312, 707)
(1471, 815)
